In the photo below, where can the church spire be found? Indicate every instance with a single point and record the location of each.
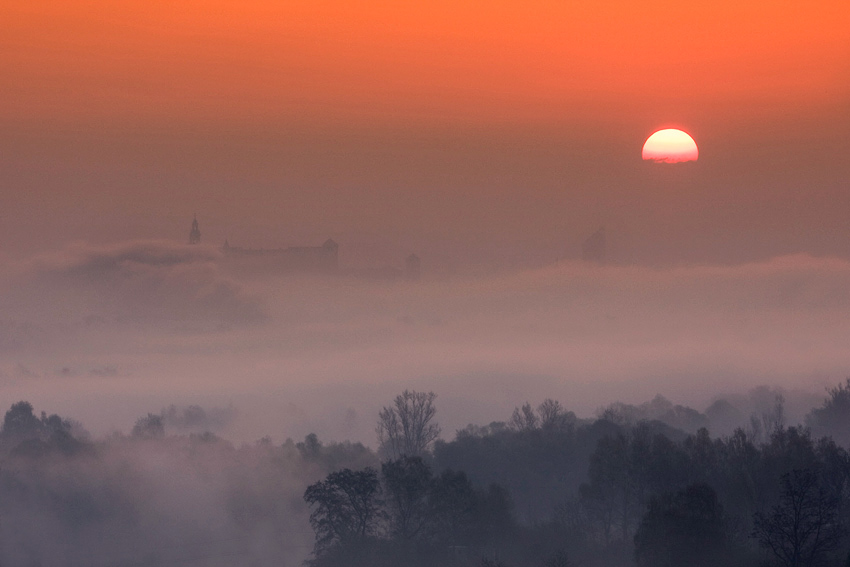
(195, 233)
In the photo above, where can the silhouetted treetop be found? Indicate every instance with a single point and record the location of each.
(407, 426)
(833, 417)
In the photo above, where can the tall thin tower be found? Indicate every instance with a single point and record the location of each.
(195, 233)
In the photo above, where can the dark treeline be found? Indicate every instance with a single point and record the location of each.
(638, 485)
(548, 490)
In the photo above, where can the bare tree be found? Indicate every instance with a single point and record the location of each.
(553, 416)
(804, 527)
(408, 484)
(550, 412)
(833, 417)
(773, 420)
(406, 428)
(524, 419)
(149, 427)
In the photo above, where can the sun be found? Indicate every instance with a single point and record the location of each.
(670, 146)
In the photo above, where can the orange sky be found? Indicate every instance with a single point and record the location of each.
(504, 61)
(512, 126)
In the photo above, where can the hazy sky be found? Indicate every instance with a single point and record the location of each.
(485, 132)
(480, 135)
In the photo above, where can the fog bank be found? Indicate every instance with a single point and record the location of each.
(108, 334)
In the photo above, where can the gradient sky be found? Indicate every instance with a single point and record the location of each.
(484, 136)
(492, 132)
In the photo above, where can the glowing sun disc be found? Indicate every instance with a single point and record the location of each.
(670, 146)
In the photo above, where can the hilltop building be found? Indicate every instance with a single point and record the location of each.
(195, 233)
(324, 258)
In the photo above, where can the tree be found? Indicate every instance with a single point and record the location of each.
(21, 423)
(310, 448)
(559, 559)
(833, 417)
(406, 428)
(804, 527)
(610, 492)
(685, 528)
(553, 416)
(524, 419)
(453, 508)
(594, 513)
(773, 420)
(408, 482)
(345, 507)
(149, 427)
(493, 515)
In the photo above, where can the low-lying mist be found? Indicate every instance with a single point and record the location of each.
(108, 334)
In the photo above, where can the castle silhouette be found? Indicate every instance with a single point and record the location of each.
(324, 258)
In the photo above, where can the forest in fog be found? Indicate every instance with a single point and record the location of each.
(209, 417)
(424, 284)
(645, 485)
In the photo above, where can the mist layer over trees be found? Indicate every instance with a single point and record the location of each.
(109, 333)
(641, 486)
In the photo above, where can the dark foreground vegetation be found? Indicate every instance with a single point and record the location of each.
(543, 489)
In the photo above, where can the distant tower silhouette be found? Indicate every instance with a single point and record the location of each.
(593, 249)
(195, 233)
(412, 267)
